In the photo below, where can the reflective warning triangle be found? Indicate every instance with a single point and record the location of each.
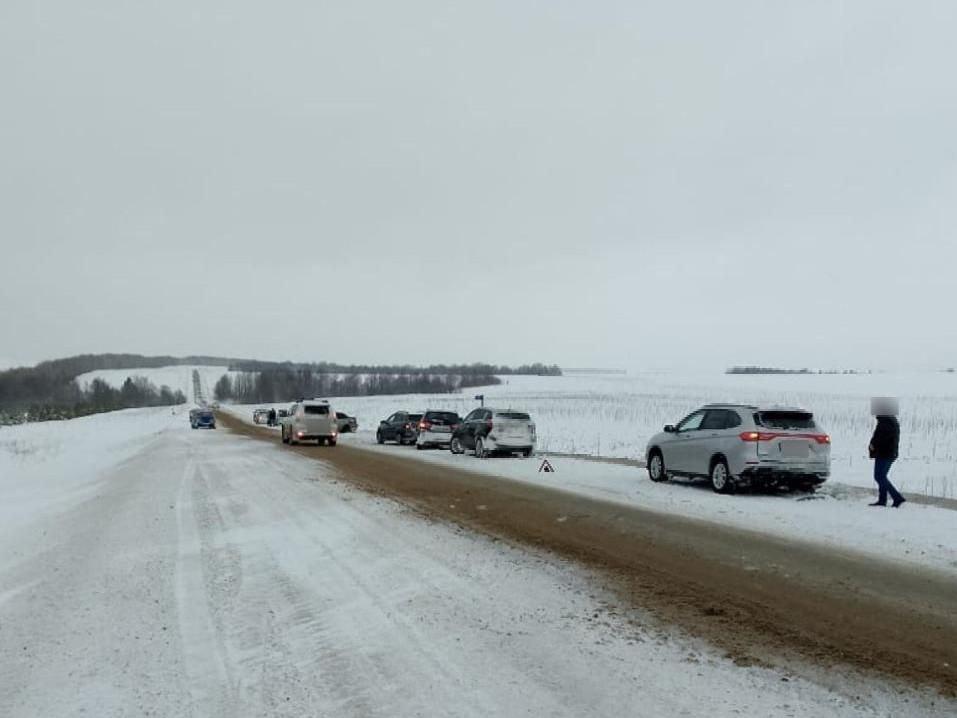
(546, 467)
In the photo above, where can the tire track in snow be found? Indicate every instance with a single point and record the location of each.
(208, 677)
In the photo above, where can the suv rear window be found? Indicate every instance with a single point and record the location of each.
(316, 409)
(785, 420)
(444, 417)
(517, 415)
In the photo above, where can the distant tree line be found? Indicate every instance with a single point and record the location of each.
(276, 385)
(59, 399)
(49, 390)
(773, 370)
(462, 370)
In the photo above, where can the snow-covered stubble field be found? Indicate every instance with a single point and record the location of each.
(614, 415)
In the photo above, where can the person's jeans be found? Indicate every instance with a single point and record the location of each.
(884, 485)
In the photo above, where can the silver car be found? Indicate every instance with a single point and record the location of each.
(736, 445)
(310, 420)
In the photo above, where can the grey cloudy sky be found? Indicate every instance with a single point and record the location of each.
(638, 184)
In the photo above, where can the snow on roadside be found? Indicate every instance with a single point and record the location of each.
(48, 467)
(915, 534)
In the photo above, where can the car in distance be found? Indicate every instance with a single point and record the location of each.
(202, 419)
(435, 428)
(736, 445)
(347, 424)
(401, 427)
(488, 431)
(310, 420)
(260, 416)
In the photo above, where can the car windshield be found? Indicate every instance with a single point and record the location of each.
(785, 420)
(316, 409)
(442, 417)
(517, 415)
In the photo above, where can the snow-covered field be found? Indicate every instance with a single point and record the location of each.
(614, 415)
(148, 568)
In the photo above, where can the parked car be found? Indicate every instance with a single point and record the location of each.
(310, 420)
(347, 424)
(202, 419)
(489, 431)
(402, 427)
(435, 428)
(737, 445)
(260, 416)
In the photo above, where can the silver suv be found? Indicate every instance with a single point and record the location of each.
(310, 420)
(735, 445)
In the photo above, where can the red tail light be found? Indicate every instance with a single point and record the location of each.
(771, 436)
(489, 424)
(425, 425)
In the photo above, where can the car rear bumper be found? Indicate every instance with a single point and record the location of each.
(433, 437)
(507, 445)
(777, 475)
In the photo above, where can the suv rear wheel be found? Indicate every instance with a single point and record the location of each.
(480, 450)
(456, 446)
(656, 467)
(721, 480)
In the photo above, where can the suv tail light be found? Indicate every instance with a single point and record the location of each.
(771, 435)
(489, 425)
(425, 425)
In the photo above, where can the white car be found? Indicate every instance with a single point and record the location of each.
(435, 428)
(740, 445)
(310, 420)
(489, 431)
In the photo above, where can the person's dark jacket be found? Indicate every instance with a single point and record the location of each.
(886, 439)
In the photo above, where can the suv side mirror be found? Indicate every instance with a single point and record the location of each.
(670, 429)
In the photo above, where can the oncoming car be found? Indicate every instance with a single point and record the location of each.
(738, 445)
(310, 420)
(202, 419)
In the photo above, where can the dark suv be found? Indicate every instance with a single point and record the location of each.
(402, 427)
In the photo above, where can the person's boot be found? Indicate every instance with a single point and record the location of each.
(898, 503)
(878, 503)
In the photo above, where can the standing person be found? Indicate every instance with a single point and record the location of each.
(884, 449)
(272, 417)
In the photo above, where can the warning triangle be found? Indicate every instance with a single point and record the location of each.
(546, 467)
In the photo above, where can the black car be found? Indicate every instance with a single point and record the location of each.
(402, 427)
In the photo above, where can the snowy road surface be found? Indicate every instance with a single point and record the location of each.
(154, 570)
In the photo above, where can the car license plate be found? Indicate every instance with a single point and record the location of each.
(794, 449)
(441, 429)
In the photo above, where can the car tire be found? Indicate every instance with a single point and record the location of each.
(721, 480)
(282, 432)
(526, 453)
(332, 442)
(480, 451)
(420, 446)
(378, 438)
(656, 467)
(455, 446)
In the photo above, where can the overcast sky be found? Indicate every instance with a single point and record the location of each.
(634, 184)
